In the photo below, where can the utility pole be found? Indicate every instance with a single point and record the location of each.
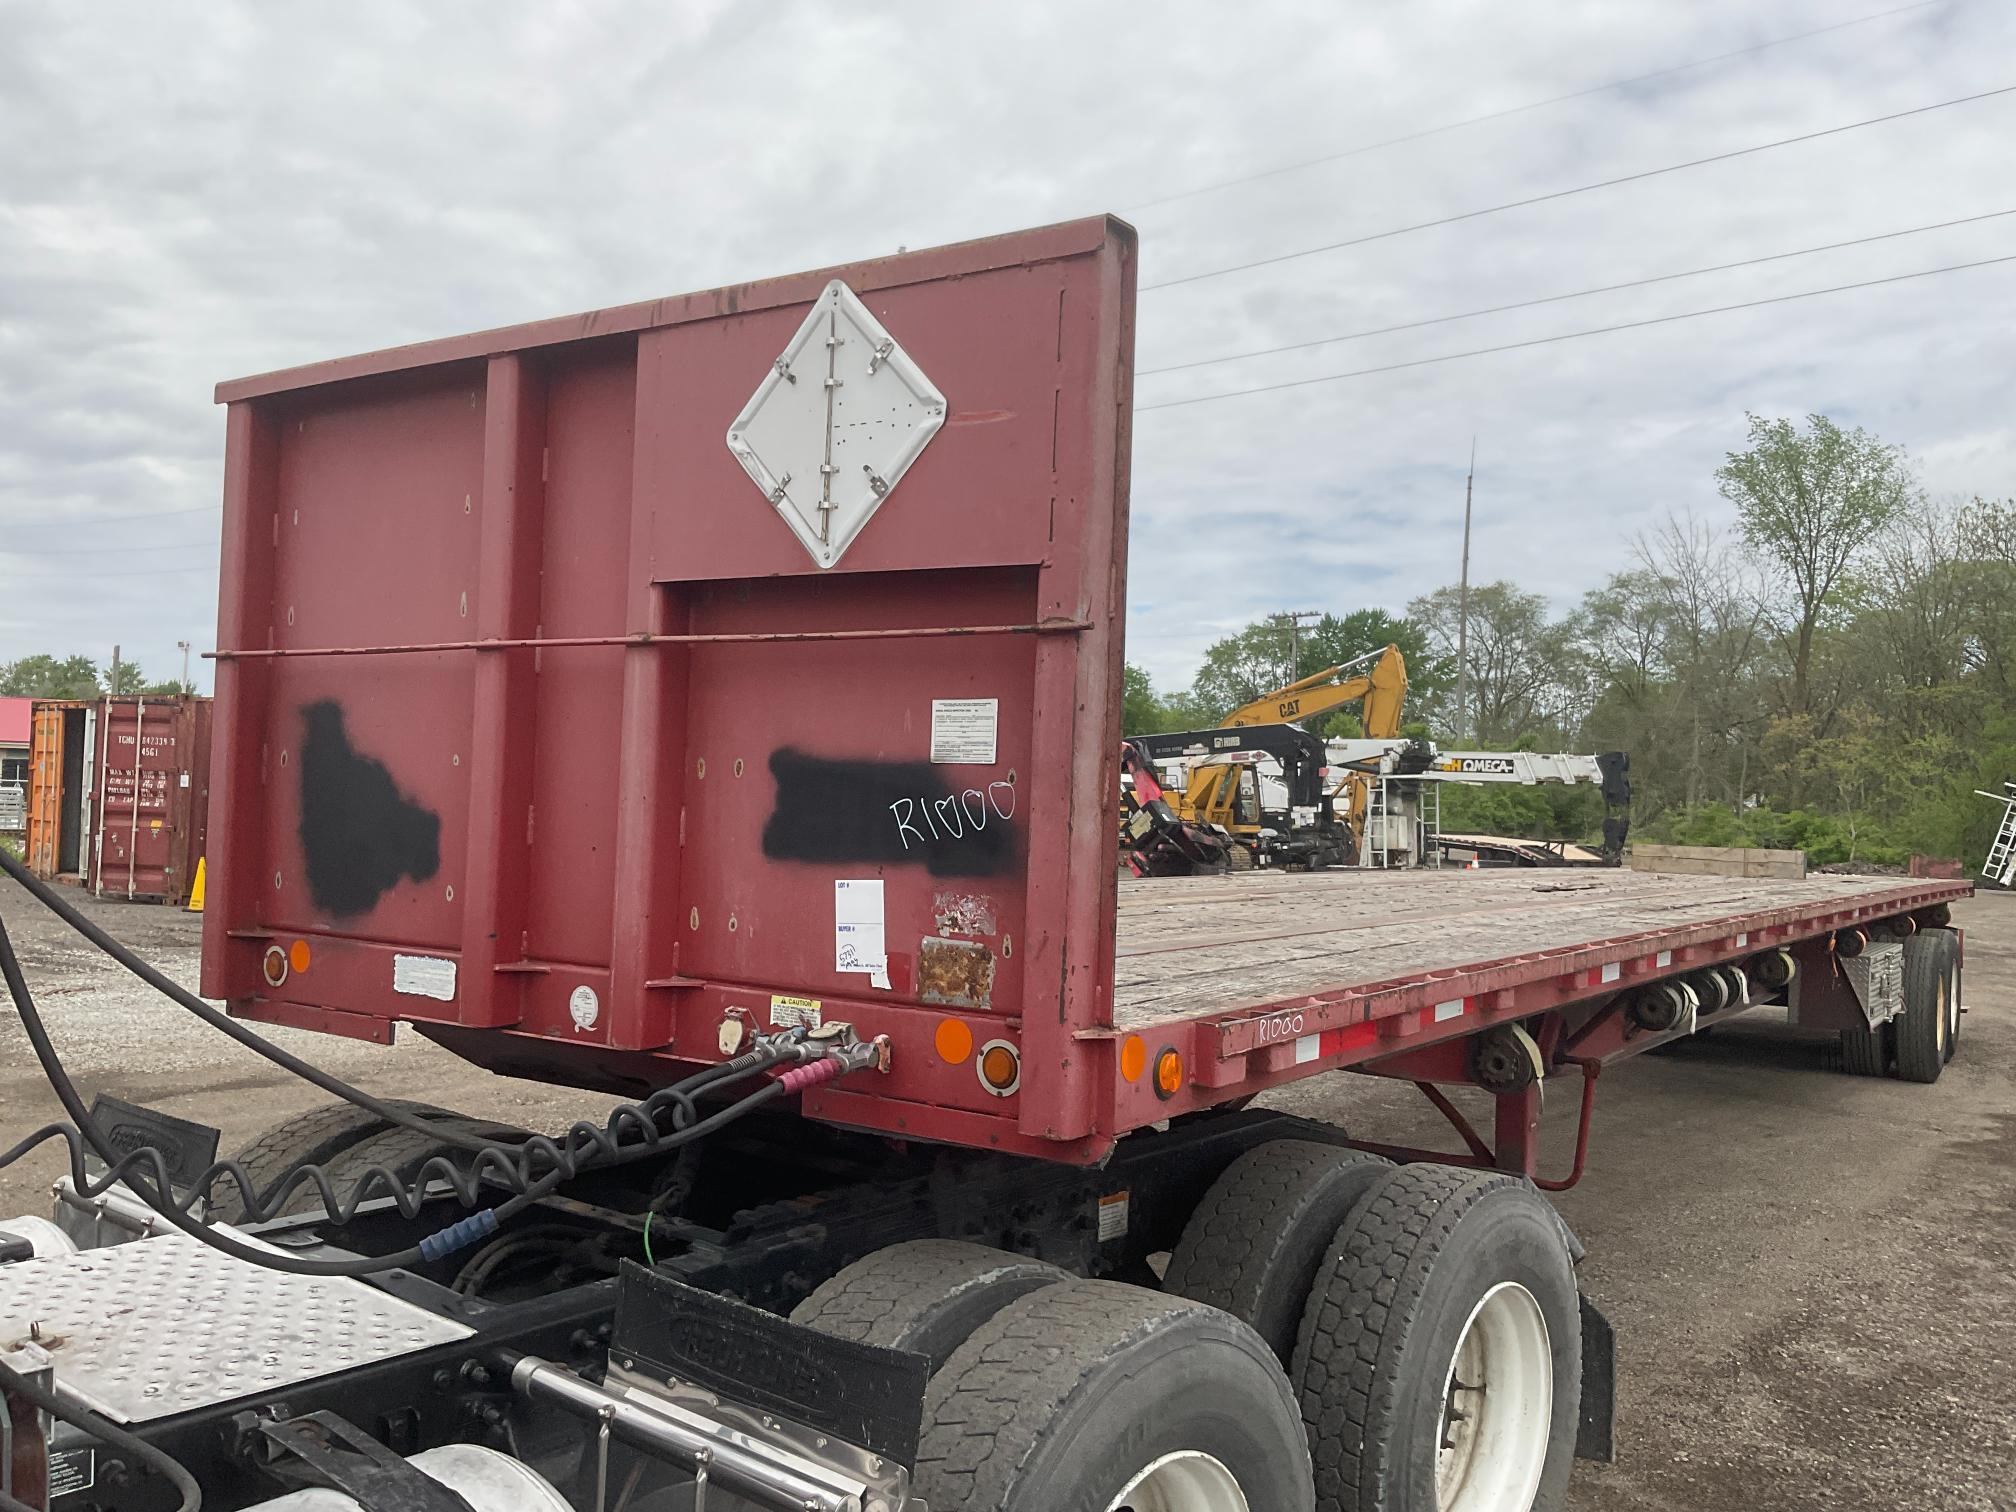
(1463, 606)
(1292, 619)
(113, 687)
(183, 646)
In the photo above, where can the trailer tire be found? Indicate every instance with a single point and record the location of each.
(1866, 1052)
(1095, 1396)
(315, 1137)
(1955, 1010)
(927, 1296)
(1437, 1273)
(1255, 1243)
(1931, 986)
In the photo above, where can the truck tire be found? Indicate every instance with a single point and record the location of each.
(1866, 1052)
(927, 1296)
(315, 1137)
(1931, 984)
(1099, 1397)
(1255, 1243)
(1955, 1004)
(1443, 1281)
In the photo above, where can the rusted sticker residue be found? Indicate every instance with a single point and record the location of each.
(958, 973)
(960, 913)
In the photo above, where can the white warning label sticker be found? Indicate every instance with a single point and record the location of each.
(1113, 1214)
(794, 1012)
(424, 976)
(963, 730)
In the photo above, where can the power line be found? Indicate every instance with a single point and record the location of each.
(98, 551)
(1629, 325)
(1499, 115)
(163, 572)
(1528, 304)
(1561, 194)
(152, 514)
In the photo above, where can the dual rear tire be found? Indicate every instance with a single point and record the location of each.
(1917, 1045)
(1349, 1335)
(1050, 1394)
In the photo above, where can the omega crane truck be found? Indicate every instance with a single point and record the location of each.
(938, 1184)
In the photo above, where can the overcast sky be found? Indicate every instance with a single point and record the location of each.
(194, 192)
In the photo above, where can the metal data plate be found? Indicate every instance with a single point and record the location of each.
(835, 424)
(159, 1326)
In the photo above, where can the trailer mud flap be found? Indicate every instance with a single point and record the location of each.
(1594, 1435)
(871, 1398)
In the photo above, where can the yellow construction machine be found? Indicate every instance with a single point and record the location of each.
(1379, 679)
(1223, 784)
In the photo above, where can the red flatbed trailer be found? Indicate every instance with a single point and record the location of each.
(601, 696)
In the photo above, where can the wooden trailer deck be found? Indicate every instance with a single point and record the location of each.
(1193, 947)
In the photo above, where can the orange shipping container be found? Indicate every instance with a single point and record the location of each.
(60, 771)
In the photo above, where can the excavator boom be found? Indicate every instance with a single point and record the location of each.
(1379, 680)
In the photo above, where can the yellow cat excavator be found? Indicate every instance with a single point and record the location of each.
(1378, 678)
(1222, 786)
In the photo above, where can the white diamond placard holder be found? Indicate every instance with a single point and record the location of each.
(835, 424)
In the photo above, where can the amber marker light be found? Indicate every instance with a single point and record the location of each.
(297, 955)
(1168, 1072)
(1000, 1066)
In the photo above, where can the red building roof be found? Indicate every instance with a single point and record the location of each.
(16, 721)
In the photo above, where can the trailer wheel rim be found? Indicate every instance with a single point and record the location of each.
(1949, 1005)
(1942, 1027)
(1188, 1481)
(1497, 1406)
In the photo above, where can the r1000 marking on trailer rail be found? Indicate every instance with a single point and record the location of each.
(770, 782)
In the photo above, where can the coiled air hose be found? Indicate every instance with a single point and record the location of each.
(530, 1170)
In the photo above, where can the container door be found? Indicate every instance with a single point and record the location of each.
(87, 778)
(144, 800)
(45, 789)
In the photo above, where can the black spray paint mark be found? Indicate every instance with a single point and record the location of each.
(900, 812)
(359, 834)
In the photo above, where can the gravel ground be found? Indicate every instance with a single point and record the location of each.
(1812, 1277)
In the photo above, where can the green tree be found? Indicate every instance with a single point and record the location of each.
(1145, 712)
(49, 677)
(1814, 502)
(1524, 671)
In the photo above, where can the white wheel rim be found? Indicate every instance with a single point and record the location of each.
(1949, 996)
(1188, 1481)
(1943, 1023)
(1497, 1407)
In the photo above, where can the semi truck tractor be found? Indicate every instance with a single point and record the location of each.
(715, 702)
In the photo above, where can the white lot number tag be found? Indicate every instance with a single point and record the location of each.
(963, 730)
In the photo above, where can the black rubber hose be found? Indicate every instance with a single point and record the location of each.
(158, 1193)
(223, 1023)
(108, 1434)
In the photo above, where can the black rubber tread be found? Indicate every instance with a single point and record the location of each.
(927, 1296)
(1929, 977)
(1052, 1405)
(315, 1137)
(1255, 1243)
(1865, 1052)
(1352, 1352)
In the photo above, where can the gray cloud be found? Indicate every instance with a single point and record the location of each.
(195, 193)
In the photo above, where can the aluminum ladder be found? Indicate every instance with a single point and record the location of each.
(2001, 864)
